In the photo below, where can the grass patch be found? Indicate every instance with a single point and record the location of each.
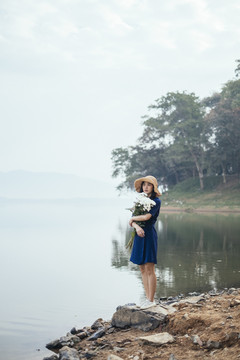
(188, 194)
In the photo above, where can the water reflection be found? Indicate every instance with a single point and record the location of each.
(196, 252)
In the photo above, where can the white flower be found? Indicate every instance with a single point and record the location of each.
(145, 201)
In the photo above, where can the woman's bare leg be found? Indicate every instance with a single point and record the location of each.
(144, 278)
(149, 279)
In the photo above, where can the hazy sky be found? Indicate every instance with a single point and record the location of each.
(77, 75)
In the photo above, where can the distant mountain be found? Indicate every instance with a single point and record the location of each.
(40, 185)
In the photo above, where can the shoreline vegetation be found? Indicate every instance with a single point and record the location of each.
(204, 326)
(217, 197)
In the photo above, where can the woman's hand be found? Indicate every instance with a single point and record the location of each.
(138, 228)
(140, 231)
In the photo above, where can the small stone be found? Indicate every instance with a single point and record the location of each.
(232, 338)
(67, 353)
(136, 357)
(97, 324)
(97, 334)
(196, 340)
(186, 316)
(172, 357)
(213, 344)
(234, 302)
(157, 339)
(232, 291)
(73, 331)
(99, 341)
(194, 293)
(89, 354)
(213, 352)
(114, 357)
(54, 345)
(111, 330)
(52, 357)
(82, 335)
(192, 300)
(118, 349)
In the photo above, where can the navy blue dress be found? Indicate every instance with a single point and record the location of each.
(145, 248)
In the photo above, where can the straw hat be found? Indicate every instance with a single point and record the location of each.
(151, 179)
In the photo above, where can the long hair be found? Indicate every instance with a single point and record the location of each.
(153, 192)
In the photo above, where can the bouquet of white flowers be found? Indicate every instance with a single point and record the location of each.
(141, 207)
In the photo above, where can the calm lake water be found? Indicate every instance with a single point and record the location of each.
(64, 264)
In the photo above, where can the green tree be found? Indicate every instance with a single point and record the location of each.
(172, 145)
(224, 119)
(179, 123)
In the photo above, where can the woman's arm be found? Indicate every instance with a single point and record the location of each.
(138, 229)
(140, 218)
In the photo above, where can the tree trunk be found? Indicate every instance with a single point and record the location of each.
(176, 176)
(199, 169)
(194, 173)
(223, 174)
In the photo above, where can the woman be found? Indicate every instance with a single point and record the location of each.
(144, 252)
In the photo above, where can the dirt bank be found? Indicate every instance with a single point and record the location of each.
(202, 209)
(204, 329)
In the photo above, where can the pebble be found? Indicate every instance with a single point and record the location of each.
(234, 302)
(233, 291)
(111, 330)
(52, 357)
(118, 349)
(97, 324)
(97, 334)
(157, 339)
(90, 354)
(82, 335)
(213, 344)
(67, 353)
(73, 331)
(114, 357)
(196, 340)
(193, 293)
(172, 357)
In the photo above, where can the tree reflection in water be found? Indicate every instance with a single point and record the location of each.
(196, 252)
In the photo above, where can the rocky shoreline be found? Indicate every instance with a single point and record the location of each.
(204, 326)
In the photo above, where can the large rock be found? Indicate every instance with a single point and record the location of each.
(67, 353)
(145, 320)
(157, 339)
(54, 345)
(68, 340)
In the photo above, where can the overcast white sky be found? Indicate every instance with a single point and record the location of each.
(77, 75)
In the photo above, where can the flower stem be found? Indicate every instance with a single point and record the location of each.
(130, 242)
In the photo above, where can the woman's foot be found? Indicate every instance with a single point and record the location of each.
(147, 304)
